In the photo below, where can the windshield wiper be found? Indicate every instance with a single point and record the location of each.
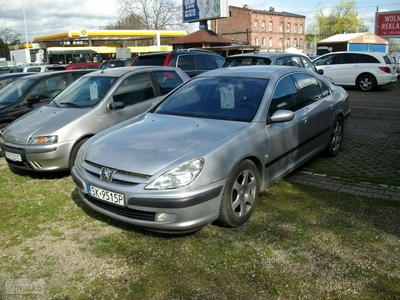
(70, 104)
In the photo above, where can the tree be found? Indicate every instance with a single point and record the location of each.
(153, 14)
(10, 36)
(343, 19)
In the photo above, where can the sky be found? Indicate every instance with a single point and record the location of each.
(47, 17)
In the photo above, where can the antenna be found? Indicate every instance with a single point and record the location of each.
(109, 61)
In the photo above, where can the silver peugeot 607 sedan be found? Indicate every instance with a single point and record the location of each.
(48, 138)
(205, 151)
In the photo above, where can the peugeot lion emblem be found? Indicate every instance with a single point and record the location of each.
(107, 174)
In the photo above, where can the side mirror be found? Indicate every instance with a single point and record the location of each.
(282, 116)
(320, 71)
(116, 105)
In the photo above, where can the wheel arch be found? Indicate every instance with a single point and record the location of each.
(363, 74)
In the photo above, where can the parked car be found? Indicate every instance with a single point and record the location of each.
(49, 138)
(205, 151)
(7, 78)
(30, 92)
(271, 58)
(365, 70)
(43, 68)
(116, 63)
(192, 61)
(83, 65)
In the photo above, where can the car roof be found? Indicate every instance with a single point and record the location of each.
(16, 74)
(118, 72)
(260, 71)
(265, 54)
(50, 74)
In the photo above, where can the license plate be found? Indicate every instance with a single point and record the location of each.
(106, 195)
(13, 156)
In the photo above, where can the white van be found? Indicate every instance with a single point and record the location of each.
(365, 70)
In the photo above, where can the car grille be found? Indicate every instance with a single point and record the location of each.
(19, 164)
(121, 177)
(122, 211)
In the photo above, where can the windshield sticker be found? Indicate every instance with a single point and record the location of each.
(227, 96)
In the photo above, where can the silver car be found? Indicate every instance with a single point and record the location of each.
(205, 151)
(48, 138)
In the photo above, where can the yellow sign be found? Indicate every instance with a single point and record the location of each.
(83, 32)
(369, 38)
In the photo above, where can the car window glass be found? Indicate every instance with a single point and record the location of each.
(294, 61)
(307, 64)
(369, 59)
(135, 89)
(219, 60)
(33, 69)
(309, 88)
(168, 80)
(281, 61)
(186, 62)
(233, 98)
(326, 60)
(285, 96)
(207, 62)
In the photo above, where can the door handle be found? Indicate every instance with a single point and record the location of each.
(304, 120)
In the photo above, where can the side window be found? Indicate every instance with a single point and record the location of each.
(168, 80)
(57, 84)
(285, 96)
(326, 60)
(186, 62)
(207, 62)
(309, 88)
(294, 61)
(33, 69)
(369, 59)
(307, 64)
(281, 61)
(135, 89)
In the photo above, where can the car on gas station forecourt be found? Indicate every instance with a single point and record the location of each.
(205, 151)
(49, 138)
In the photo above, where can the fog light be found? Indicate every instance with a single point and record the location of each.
(165, 217)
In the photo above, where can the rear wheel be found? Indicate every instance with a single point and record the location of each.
(74, 152)
(240, 195)
(366, 83)
(335, 138)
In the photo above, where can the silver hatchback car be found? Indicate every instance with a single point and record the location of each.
(206, 150)
(48, 139)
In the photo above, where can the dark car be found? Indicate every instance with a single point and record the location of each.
(29, 92)
(271, 58)
(116, 63)
(192, 61)
(6, 79)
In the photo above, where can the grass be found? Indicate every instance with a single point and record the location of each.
(301, 243)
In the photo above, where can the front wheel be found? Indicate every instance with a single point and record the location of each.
(335, 138)
(74, 152)
(240, 195)
(366, 83)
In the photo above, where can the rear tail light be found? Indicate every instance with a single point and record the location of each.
(385, 69)
(167, 58)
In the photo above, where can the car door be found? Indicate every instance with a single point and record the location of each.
(286, 139)
(319, 107)
(344, 68)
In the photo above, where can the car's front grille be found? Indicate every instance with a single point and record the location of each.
(122, 211)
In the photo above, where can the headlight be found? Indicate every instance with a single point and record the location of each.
(178, 177)
(43, 140)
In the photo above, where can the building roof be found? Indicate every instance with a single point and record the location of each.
(271, 11)
(202, 36)
(359, 37)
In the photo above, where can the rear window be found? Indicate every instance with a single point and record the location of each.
(245, 61)
(389, 59)
(150, 60)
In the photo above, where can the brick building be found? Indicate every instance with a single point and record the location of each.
(272, 31)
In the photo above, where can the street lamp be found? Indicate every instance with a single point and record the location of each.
(316, 27)
(27, 51)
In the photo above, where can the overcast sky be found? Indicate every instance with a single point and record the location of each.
(46, 17)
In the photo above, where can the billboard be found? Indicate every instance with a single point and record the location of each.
(199, 10)
(387, 24)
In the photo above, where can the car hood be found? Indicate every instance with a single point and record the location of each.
(156, 141)
(43, 121)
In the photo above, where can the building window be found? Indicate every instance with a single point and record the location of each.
(255, 25)
(270, 43)
(288, 42)
(295, 28)
(295, 43)
(256, 41)
(300, 43)
(263, 26)
(301, 28)
(263, 42)
(288, 27)
(280, 42)
(280, 27)
(270, 26)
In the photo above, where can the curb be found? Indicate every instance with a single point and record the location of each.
(338, 184)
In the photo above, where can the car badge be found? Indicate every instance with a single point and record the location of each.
(107, 174)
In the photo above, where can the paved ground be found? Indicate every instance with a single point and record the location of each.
(371, 149)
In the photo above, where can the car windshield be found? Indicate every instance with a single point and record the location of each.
(12, 92)
(225, 98)
(84, 92)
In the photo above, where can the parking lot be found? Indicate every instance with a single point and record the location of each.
(371, 147)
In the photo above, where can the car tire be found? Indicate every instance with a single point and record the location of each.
(2, 126)
(335, 138)
(240, 195)
(366, 83)
(74, 152)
